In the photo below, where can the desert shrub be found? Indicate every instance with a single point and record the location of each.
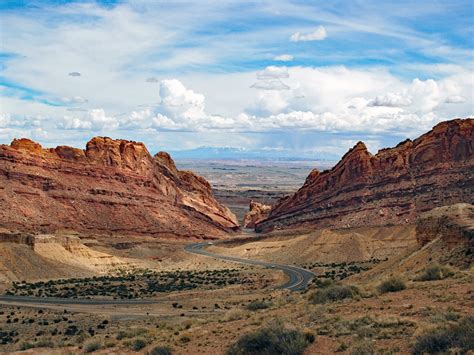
(25, 345)
(323, 283)
(160, 350)
(256, 305)
(42, 343)
(233, 315)
(274, 339)
(435, 272)
(138, 344)
(393, 284)
(130, 333)
(184, 339)
(459, 336)
(92, 345)
(364, 348)
(334, 293)
(342, 347)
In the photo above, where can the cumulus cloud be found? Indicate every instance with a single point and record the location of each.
(274, 84)
(74, 73)
(455, 99)
(178, 102)
(4, 120)
(283, 58)
(316, 99)
(273, 72)
(390, 100)
(270, 79)
(95, 119)
(317, 35)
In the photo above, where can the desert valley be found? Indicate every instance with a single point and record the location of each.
(110, 249)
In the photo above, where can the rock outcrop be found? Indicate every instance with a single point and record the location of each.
(392, 187)
(257, 212)
(453, 224)
(111, 187)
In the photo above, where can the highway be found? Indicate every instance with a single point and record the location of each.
(298, 278)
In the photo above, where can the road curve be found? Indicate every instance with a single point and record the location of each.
(299, 278)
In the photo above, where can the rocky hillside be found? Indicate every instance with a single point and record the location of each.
(392, 187)
(111, 187)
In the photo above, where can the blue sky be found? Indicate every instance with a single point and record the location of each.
(302, 76)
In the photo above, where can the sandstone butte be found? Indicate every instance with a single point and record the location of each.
(257, 212)
(392, 187)
(111, 187)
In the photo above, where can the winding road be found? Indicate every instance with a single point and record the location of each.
(299, 278)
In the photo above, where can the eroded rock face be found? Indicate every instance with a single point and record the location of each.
(113, 186)
(392, 187)
(454, 224)
(257, 212)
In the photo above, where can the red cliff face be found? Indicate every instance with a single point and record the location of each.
(113, 186)
(392, 187)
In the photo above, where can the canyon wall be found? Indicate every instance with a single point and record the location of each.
(392, 187)
(111, 187)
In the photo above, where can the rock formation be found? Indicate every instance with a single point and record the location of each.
(113, 186)
(453, 224)
(257, 212)
(392, 187)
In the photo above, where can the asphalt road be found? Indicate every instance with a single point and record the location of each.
(298, 280)
(71, 301)
(298, 277)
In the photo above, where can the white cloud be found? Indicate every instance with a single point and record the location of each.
(74, 100)
(74, 73)
(283, 58)
(455, 99)
(180, 103)
(273, 72)
(317, 35)
(274, 84)
(94, 120)
(390, 100)
(4, 120)
(270, 78)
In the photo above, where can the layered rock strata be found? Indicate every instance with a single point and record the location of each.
(111, 187)
(393, 186)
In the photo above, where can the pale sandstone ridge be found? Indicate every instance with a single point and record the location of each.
(444, 235)
(25, 256)
(454, 226)
(111, 187)
(392, 187)
(257, 212)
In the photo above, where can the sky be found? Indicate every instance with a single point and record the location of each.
(306, 77)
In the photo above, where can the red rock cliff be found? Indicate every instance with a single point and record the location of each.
(392, 187)
(113, 186)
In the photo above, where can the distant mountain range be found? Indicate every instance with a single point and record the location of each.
(229, 153)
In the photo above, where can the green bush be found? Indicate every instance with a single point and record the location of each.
(435, 272)
(160, 350)
(272, 340)
(393, 284)
(91, 346)
(334, 293)
(256, 305)
(459, 337)
(137, 344)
